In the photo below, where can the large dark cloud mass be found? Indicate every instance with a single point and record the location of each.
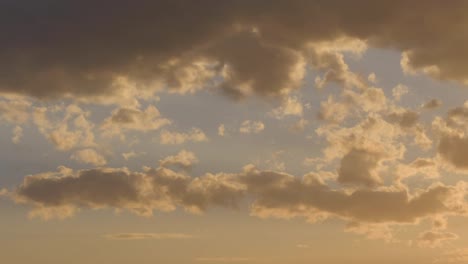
(92, 49)
(273, 193)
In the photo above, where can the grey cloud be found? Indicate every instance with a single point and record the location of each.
(286, 196)
(405, 118)
(454, 149)
(274, 194)
(359, 166)
(453, 141)
(97, 49)
(432, 104)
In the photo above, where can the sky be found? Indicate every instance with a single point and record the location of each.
(256, 132)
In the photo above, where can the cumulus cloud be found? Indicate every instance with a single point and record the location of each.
(140, 236)
(89, 156)
(399, 90)
(133, 119)
(452, 138)
(184, 159)
(251, 127)
(221, 130)
(291, 106)
(176, 138)
(131, 154)
(17, 134)
(432, 104)
(14, 110)
(257, 48)
(404, 118)
(66, 127)
(274, 194)
(359, 166)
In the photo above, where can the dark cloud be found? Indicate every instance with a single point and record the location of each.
(405, 118)
(453, 141)
(432, 104)
(98, 49)
(274, 194)
(359, 166)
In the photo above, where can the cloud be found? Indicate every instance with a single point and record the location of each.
(184, 159)
(61, 193)
(17, 134)
(372, 78)
(369, 209)
(404, 118)
(420, 166)
(260, 48)
(133, 119)
(452, 139)
(273, 194)
(285, 196)
(14, 110)
(140, 236)
(432, 104)
(132, 154)
(89, 156)
(221, 130)
(398, 91)
(359, 167)
(251, 127)
(291, 106)
(434, 239)
(66, 127)
(177, 138)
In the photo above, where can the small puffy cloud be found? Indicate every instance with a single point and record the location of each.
(14, 110)
(299, 125)
(372, 78)
(291, 106)
(17, 134)
(184, 159)
(432, 104)
(89, 156)
(176, 138)
(251, 127)
(3, 192)
(133, 119)
(221, 130)
(398, 91)
(334, 111)
(66, 127)
(140, 236)
(131, 154)
(404, 118)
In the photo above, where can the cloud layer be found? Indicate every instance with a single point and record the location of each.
(124, 50)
